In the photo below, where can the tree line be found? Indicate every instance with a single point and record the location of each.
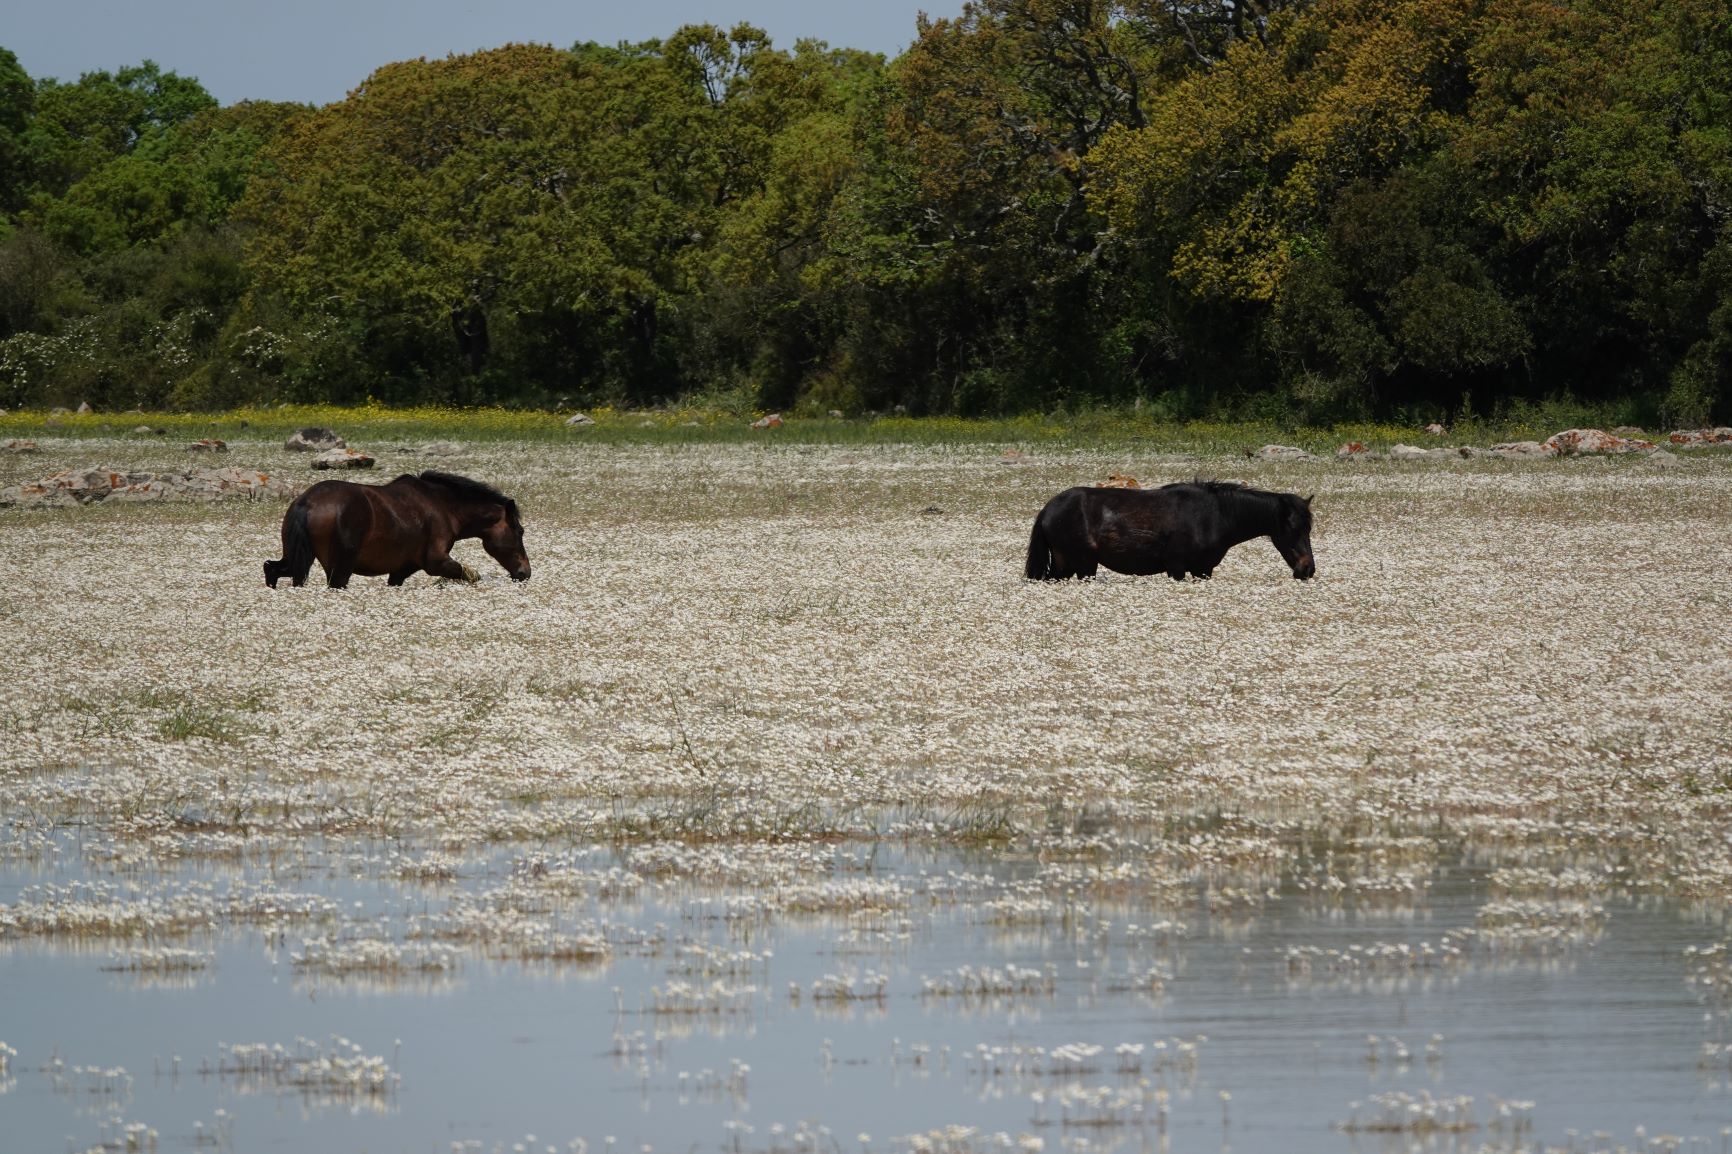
(1312, 210)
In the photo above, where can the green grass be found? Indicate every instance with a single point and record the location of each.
(1102, 428)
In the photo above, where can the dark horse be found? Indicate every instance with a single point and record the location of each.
(400, 528)
(1180, 530)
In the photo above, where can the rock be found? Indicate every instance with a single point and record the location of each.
(1521, 449)
(84, 407)
(1663, 459)
(344, 458)
(1415, 453)
(1572, 442)
(314, 440)
(1351, 449)
(20, 446)
(54, 422)
(91, 485)
(145, 431)
(773, 421)
(1695, 438)
(441, 449)
(838, 415)
(579, 419)
(209, 445)
(1282, 453)
(1119, 481)
(1435, 429)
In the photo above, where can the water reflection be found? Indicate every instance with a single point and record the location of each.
(1384, 996)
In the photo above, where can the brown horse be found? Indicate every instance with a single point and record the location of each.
(1181, 530)
(398, 529)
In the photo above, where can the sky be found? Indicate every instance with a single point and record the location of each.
(317, 50)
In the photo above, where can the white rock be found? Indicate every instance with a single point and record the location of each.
(342, 459)
(314, 440)
(579, 419)
(1521, 449)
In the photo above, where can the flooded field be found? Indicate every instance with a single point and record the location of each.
(778, 813)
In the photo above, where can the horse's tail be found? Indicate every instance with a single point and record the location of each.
(297, 559)
(1039, 565)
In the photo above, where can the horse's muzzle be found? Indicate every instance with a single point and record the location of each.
(1306, 568)
(520, 574)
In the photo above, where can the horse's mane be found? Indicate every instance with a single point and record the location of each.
(1240, 490)
(469, 489)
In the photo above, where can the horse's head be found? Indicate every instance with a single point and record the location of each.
(1292, 535)
(502, 536)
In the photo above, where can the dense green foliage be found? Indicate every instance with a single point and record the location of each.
(1300, 210)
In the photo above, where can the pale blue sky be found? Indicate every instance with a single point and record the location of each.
(316, 50)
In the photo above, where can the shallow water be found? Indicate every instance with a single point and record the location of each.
(1600, 1036)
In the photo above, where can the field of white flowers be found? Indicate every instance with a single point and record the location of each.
(736, 642)
(734, 659)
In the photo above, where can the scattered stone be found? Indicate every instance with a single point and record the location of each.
(20, 446)
(343, 458)
(209, 445)
(147, 431)
(1119, 481)
(84, 407)
(1281, 453)
(441, 449)
(1521, 449)
(837, 415)
(773, 421)
(1415, 453)
(314, 440)
(1695, 438)
(1572, 442)
(1352, 449)
(1435, 429)
(1663, 459)
(91, 485)
(579, 419)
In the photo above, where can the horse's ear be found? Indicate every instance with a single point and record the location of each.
(1307, 500)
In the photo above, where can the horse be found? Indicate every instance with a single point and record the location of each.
(1182, 530)
(398, 528)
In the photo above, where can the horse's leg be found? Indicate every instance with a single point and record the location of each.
(446, 566)
(337, 577)
(1086, 568)
(1176, 574)
(401, 575)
